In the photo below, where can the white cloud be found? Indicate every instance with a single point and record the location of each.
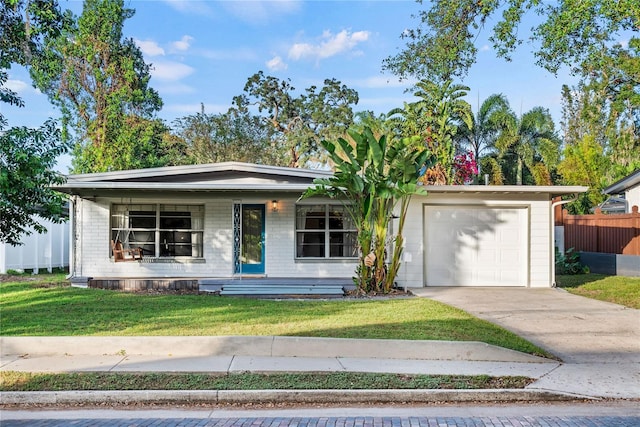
(170, 71)
(191, 7)
(484, 48)
(276, 64)
(183, 44)
(624, 43)
(261, 11)
(149, 47)
(329, 45)
(18, 86)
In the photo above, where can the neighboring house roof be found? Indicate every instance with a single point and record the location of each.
(236, 176)
(624, 184)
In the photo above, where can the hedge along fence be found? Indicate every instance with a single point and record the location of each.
(605, 233)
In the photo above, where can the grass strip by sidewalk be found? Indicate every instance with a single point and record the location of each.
(47, 306)
(27, 381)
(616, 289)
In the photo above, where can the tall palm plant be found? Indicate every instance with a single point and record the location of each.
(435, 117)
(481, 136)
(530, 142)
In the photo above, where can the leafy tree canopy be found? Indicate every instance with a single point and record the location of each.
(26, 155)
(232, 136)
(300, 122)
(24, 26)
(575, 33)
(100, 81)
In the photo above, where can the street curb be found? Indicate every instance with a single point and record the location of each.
(282, 396)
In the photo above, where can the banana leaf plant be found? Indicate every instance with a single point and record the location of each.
(371, 177)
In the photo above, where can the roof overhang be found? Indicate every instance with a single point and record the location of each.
(79, 188)
(552, 190)
(624, 184)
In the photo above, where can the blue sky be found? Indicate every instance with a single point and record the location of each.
(204, 51)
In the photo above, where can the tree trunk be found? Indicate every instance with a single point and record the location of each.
(519, 172)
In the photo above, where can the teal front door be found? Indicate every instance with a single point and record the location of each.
(252, 247)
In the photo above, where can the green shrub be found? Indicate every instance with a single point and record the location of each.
(569, 263)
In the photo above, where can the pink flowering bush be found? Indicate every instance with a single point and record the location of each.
(465, 168)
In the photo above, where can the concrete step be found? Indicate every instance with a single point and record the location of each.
(281, 290)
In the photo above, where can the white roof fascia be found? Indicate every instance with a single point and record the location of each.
(195, 169)
(623, 184)
(507, 189)
(168, 186)
(161, 186)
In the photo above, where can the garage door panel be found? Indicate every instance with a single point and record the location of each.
(476, 246)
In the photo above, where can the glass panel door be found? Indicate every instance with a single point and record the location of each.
(253, 248)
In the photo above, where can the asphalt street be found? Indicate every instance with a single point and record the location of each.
(546, 414)
(596, 421)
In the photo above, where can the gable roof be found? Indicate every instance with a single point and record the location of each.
(623, 184)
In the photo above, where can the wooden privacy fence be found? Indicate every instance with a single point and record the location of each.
(612, 233)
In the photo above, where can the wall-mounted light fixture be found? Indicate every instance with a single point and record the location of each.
(274, 205)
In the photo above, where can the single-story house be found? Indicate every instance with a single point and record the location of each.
(625, 192)
(234, 219)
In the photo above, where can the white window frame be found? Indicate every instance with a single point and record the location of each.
(326, 231)
(120, 212)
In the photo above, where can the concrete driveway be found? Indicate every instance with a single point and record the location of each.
(598, 342)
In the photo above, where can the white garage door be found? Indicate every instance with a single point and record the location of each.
(476, 246)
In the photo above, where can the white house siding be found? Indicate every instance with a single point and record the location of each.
(412, 272)
(93, 250)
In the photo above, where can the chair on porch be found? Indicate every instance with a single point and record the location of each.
(121, 254)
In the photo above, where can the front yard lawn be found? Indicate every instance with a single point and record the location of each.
(617, 289)
(48, 306)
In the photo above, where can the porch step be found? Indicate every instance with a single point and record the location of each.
(265, 290)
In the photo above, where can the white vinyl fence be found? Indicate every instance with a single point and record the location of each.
(39, 251)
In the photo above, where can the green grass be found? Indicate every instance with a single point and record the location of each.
(26, 381)
(617, 289)
(49, 307)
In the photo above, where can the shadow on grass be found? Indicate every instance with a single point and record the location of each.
(576, 280)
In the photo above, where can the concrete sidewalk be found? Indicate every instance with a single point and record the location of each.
(233, 354)
(229, 354)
